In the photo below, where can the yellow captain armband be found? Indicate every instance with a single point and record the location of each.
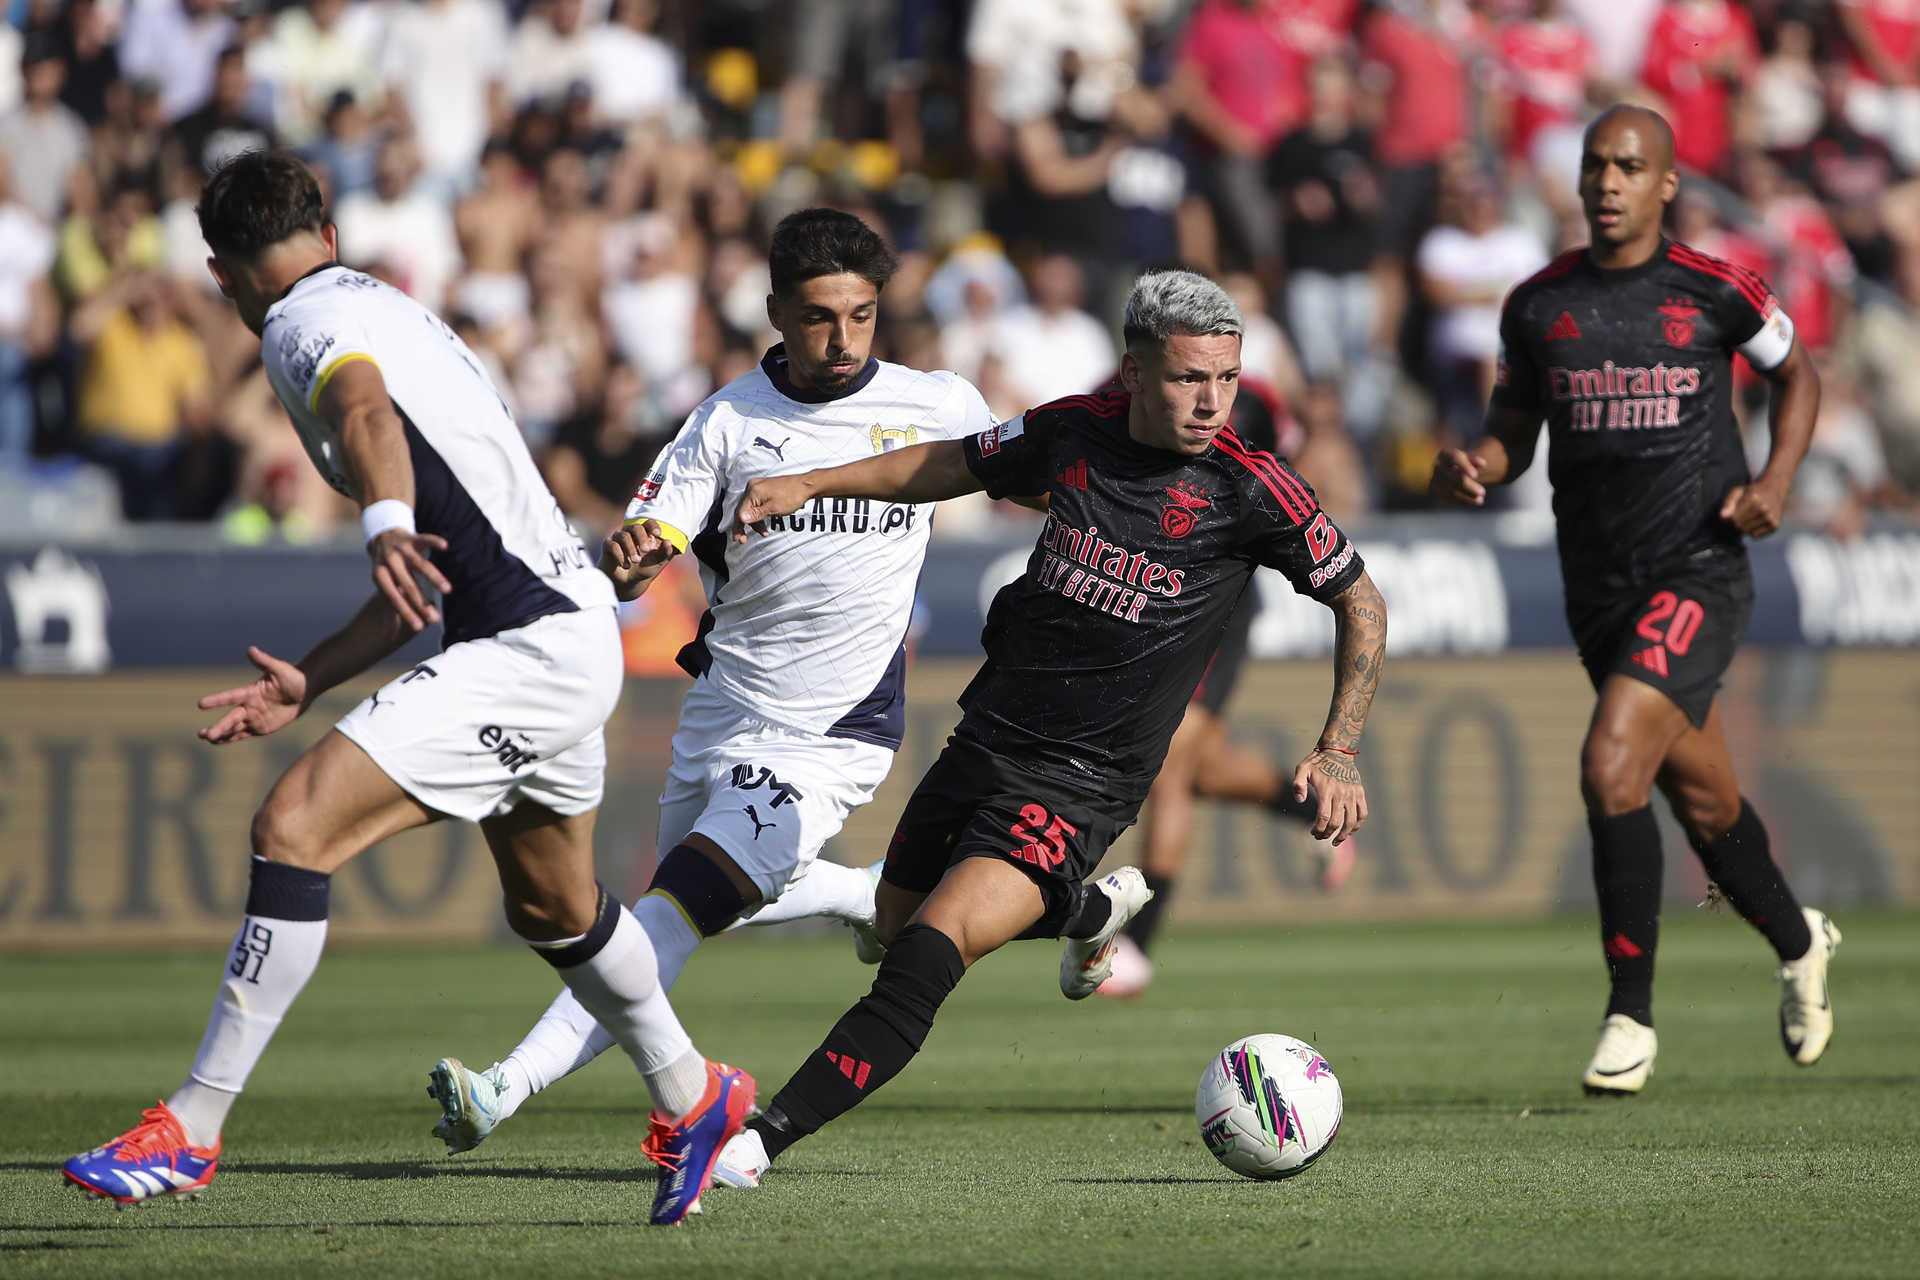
(334, 366)
(667, 531)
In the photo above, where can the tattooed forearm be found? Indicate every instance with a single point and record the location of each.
(1360, 649)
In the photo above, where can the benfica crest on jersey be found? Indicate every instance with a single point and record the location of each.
(1179, 516)
(1676, 321)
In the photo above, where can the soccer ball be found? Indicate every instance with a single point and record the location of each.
(1268, 1106)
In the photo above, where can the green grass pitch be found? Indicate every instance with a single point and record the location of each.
(1033, 1136)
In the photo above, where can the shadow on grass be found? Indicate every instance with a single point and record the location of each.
(134, 1220)
(1031, 1109)
(402, 1170)
(410, 1171)
(1153, 1182)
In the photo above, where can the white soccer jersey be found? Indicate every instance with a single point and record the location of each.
(806, 626)
(510, 555)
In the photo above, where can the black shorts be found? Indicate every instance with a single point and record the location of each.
(1677, 635)
(974, 804)
(1223, 672)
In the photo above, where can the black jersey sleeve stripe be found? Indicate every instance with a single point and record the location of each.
(1558, 267)
(1292, 496)
(1263, 463)
(1750, 285)
(1105, 404)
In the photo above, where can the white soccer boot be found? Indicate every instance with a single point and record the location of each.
(741, 1161)
(1806, 1017)
(1132, 971)
(1624, 1058)
(1085, 963)
(867, 947)
(469, 1103)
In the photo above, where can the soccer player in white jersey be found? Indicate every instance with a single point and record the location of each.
(798, 705)
(502, 728)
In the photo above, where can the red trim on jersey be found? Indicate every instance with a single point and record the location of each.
(1104, 404)
(1293, 495)
(1750, 285)
(1558, 267)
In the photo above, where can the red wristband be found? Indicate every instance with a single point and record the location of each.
(1342, 750)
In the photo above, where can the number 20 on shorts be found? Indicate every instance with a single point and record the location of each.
(1681, 619)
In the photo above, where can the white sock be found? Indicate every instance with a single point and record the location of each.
(564, 1040)
(620, 987)
(269, 963)
(567, 1038)
(827, 889)
(673, 936)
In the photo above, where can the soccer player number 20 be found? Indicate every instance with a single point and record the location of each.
(1686, 617)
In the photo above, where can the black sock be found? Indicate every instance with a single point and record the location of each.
(873, 1041)
(1626, 876)
(1146, 921)
(1091, 916)
(1741, 862)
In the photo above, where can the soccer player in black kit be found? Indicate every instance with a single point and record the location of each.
(1158, 515)
(1626, 348)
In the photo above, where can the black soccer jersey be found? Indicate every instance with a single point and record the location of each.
(1094, 651)
(1632, 370)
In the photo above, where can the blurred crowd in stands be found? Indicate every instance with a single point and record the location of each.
(584, 189)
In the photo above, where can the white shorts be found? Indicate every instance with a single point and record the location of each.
(768, 795)
(488, 723)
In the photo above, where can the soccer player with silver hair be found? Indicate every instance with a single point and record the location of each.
(503, 727)
(798, 703)
(1158, 515)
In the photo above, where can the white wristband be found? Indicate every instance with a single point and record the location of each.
(388, 513)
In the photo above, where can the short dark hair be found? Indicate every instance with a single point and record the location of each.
(826, 242)
(256, 200)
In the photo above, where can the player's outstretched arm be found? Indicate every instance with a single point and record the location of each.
(1757, 508)
(919, 473)
(285, 689)
(1463, 476)
(355, 403)
(1331, 768)
(633, 556)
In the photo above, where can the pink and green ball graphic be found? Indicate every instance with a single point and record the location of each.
(1268, 1106)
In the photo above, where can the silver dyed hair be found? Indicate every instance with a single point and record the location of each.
(1164, 303)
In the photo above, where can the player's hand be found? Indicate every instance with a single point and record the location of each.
(766, 497)
(1343, 796)
(1754, 509)
(400, 561)
(1456, 478)
(634, 554)
(270, 703)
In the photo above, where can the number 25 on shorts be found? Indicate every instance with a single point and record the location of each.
(1047, 849)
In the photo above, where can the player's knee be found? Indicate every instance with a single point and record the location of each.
(1612, 778)
(1707, 815)
(546, 915)
(710, 889)
(282, 833)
